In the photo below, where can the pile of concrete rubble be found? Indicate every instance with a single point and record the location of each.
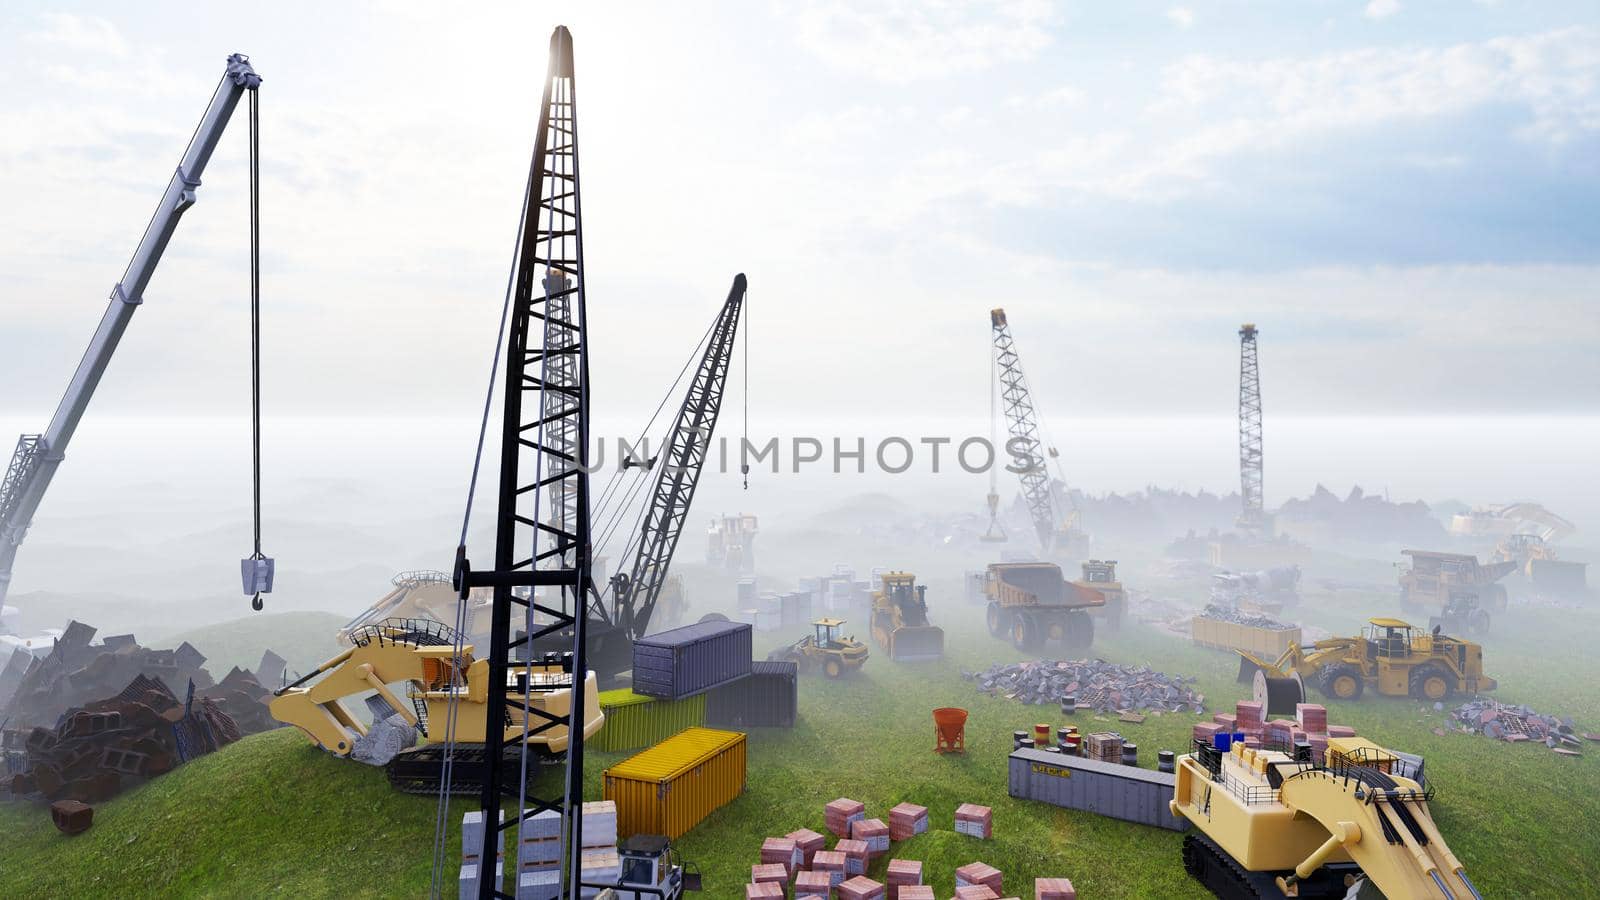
(89, 720)
(1517, 724)
(1239, 617)
(1093, 684)
(108, 746)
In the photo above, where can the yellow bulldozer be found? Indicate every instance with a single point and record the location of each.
(1273, 823)
(1390, 657)
(900, 620)
(440, 686)
(826, 649)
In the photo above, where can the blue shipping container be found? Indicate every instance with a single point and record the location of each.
(692, 659)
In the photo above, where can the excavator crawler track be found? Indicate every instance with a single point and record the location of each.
(420, 769)
(1206, 863)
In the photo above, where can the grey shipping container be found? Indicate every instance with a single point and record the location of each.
(1121, 792)
(769, 698)
(692, 659)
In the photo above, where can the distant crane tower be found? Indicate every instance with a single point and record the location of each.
(1022, 423)
(1252, 513)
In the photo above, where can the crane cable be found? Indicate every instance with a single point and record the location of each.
(255, 326)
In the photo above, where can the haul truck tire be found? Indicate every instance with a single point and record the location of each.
(998, 624)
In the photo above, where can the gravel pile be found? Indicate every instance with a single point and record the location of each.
(1096, 684)
(1238, 617)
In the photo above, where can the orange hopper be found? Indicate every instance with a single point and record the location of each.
(950, 730)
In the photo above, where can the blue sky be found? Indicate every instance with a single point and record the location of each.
(1402, 195)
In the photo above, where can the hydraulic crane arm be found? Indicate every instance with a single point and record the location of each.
(37, 456)
(635, 592)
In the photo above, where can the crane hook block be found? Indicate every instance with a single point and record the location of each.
(256, 573)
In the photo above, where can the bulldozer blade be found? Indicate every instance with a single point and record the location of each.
(915, 643)
(1247, 670)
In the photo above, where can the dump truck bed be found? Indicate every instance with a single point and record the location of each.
(1039, 584)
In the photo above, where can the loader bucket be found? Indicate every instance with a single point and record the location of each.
(1248, 667)
(913, 643)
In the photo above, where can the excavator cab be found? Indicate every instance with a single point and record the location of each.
(649, 862)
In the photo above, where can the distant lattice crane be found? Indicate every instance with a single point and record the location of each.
(1022, 423)
(1252, 513)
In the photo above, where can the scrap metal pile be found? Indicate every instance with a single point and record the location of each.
(1239, 617)
(1516, 724)
(102, 749)
(1095, 684)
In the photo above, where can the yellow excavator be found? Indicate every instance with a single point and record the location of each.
(900, 619)
(1274, 824)
(440, 687)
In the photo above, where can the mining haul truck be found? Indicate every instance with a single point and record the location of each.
(1272, 823)
(1031, 603)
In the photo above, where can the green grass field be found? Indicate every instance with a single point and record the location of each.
(272, 816)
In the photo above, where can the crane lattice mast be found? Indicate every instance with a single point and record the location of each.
(636, 591)
(542, 535)
(1252, 513)
(1023, 425)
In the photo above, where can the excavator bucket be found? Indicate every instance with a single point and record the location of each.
(913, 643)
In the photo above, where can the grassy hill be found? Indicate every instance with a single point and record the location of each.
(304, 639)
(271, 816)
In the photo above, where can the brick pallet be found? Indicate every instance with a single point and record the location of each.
(861, 888)
(775, 873)
(783, 851)
(1105, 746)
(902, 873)
(831, 862)
(813, 886)
(907, 819)
(975, 873)
(839, 815)
(974, 820)
(917, 892)
(856, 854)
(810, 842)
(763, 891)
(1053, 889)
(975, 892)
(873, 833)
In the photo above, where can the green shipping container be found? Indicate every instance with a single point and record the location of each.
(634, 720)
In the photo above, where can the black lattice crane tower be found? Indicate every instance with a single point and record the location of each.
(542, 533)
(1252, 512)
(634, 593)
(1022, 424)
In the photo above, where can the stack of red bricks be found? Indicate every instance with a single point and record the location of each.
(763, 891)
(833, 864)
(841, 814)
(770, 873)
(978, 873)
(902, 873)
(813, 886)
(974, 820)
(861, 888)
(1053, 889)
(856, 856)
(1310, 724)
(874, 834)
(975, 892)
(916, 892)
(810, 842)
(782, 851)
(906, 820)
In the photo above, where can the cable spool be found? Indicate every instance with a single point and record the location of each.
(1278, 696)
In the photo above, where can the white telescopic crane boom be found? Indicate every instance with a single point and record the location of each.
(38, 455)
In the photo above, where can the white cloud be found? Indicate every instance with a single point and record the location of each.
(901, 41)
(1381, 9)
(90, 34)
(1181, 16)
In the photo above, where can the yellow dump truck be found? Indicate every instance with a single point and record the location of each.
(1031, 603)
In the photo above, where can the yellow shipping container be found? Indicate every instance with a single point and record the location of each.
(1268, 643)
(670, 787)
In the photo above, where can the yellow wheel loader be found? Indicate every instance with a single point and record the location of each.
(440, 687)
(826, 650)
(1390, 657)
(900, 620)
(1274, 824)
